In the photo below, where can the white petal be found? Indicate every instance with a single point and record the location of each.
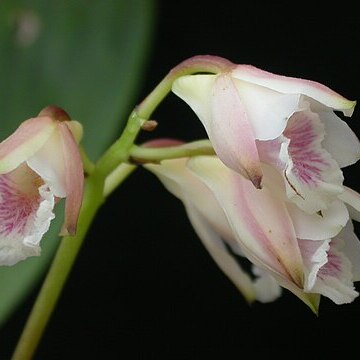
(319, 226)
(314, 254)
(48, 162)
(266, 287)
(334, 279)
(216, 102)
(25, 215)
(267, 110)
(313, 178)
(336, 290)
(340, 141)
(217, 249)
(196, 91)
(41, 221)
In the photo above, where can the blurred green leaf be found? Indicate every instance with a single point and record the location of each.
(85, 56)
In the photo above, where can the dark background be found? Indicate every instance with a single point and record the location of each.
(143, 286)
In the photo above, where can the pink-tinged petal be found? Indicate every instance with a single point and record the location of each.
(266, 110)
(29, 137)
(48, 162)
(260, 221)
(26, 210)
(319, 226)
(181, 183)
(216, 102)
(334, 277)
(261, 224)
(207, 218)
(312, 177)
(291, 85)
(340, 141)
(314, 254)
(226, 262)
(74, 179)
(230, 131)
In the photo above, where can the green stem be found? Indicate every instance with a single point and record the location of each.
(142, 154)
(119, 151)
(58, 273)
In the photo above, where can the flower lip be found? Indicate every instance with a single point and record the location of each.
(55, 113)
(26, 211)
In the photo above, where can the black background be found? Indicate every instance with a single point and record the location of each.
(143, 286)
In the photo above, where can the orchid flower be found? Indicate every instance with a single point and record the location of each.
(252, 116)
(40, 163)
(309, 254)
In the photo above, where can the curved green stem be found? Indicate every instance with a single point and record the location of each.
(141, 155)
(196, 64)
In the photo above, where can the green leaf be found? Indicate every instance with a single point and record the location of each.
(84, 56)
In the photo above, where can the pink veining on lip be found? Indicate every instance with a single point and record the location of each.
(15, 207)
(308, 162)
(332, 268)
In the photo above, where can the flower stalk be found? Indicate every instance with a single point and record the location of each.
(102, 178)
(142, 154)
(58, 274)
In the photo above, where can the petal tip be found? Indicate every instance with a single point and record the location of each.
(255, 175)
(298, 278)
(349, 107)
(257, 181)
(55, 112)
